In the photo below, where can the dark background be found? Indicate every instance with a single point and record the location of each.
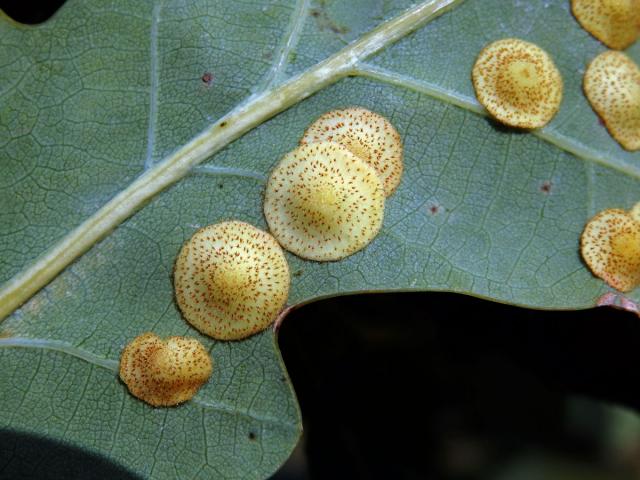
(429, 385)
(445, 386)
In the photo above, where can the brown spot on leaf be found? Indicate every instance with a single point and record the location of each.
(325, 22)
(207, 78)
(546, 187)
(252, 436)
(340, 30)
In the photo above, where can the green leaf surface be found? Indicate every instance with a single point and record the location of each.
(104, 91)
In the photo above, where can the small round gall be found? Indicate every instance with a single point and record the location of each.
(231, 280)
(612, 85)
(324, 203)
(614, 22)
(518, 83)
(367, 135)
(610, 246)
(167, 372)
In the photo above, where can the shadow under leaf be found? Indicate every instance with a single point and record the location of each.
(27, 456)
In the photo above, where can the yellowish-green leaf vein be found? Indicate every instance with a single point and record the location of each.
(112, 365)
(291, 37)
(547, 134)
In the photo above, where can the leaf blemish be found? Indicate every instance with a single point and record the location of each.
(546, 187)
(207, 78)
(325, 22)
(339, 30)
(252, 436)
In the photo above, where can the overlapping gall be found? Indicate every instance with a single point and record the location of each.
(610, 246)
(518, 83)
(324, 203)
(164, 372)
(614, 22)
(231, 280)
(367, 135)
(612, 85)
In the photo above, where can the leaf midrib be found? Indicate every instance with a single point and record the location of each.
(547, 134)
(432, 90)
(253, 112)
(246, 116)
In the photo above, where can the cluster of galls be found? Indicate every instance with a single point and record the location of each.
(519, 85)
(324, 201)
(610, 242)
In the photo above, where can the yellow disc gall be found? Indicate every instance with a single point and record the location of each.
(614, 22)
(231, 280)
(612, 85)
(324, 203)
(610, 246)
(367, 135)
(164, 372)
(518, 83)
